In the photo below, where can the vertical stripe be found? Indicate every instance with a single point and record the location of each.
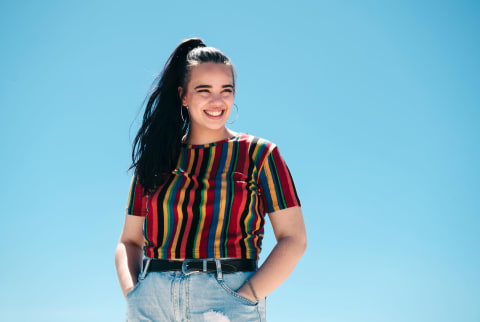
(227, 153)
(229, 199)
(201, 242)
(212, 252)
(270, 192)
(181, 214)
(278, 186)
(168, 216)
(188, 234)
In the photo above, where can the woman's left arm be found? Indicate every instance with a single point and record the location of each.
(291, 235)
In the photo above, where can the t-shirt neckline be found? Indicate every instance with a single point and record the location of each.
(207, 145)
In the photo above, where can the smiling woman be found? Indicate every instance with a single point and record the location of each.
(209, 99)
(198, 198)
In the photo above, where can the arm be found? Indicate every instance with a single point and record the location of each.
(290, 232)
(129, 254)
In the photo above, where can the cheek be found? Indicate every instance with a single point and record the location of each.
(198, 100)
(228, 99)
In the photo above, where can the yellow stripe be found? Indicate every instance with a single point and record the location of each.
(257, 149)
(271, 185)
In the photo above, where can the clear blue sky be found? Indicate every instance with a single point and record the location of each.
(375, 106)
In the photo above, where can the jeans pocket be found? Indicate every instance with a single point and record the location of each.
(231, 282)
(136, 286)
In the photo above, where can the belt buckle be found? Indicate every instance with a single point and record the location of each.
(185, 270)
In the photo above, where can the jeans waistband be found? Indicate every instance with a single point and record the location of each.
(190, 266)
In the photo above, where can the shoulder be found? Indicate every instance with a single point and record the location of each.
(257, 143)
(258, 148)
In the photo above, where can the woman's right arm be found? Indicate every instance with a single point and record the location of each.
(129, 252)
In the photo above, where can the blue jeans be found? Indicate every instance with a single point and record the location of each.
(192, 296)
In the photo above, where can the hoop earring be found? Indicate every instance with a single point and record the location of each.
(181, 112)
(236, 117)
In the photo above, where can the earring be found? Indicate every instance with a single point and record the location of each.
(235, 116)
(181, 112)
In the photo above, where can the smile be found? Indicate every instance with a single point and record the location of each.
(215, 114)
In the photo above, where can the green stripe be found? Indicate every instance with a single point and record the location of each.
(250, 246)
(278, 183)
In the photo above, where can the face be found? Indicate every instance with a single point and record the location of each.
(209, 96)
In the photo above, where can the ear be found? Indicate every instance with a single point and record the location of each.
(180, 92)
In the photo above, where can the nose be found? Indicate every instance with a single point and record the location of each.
(217, 100)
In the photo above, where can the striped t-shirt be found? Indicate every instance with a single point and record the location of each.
(214, 203)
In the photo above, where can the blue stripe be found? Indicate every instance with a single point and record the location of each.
(216, 203)
(266, 191)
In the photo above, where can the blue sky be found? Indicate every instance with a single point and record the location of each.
(375, 106)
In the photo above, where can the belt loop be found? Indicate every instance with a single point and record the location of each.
(204, 265)
(219, 269)
(145, 269)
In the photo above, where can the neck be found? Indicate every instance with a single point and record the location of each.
(207, 136)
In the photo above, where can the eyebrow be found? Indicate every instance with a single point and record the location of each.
(210, 86)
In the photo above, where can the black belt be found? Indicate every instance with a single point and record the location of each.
(189, 266)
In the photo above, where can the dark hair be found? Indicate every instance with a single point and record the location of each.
(157, 145)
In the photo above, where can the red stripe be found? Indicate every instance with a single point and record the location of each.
(285, 180)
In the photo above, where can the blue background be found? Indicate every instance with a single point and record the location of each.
(374, 106)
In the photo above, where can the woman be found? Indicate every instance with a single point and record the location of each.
(198, 199)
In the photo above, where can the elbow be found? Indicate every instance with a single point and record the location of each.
(301, 244)
(302, 241)
(304, 244)
(298, 242)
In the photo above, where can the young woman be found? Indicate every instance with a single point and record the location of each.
(196, 208)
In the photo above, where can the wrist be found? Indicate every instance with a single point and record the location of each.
(252, 290)
(245, 292)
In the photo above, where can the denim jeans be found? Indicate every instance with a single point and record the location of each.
(192, 296)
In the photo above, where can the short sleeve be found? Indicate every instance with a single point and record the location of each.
(276, 183)
(137, 202)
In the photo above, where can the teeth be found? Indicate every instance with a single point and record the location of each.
(214, 113)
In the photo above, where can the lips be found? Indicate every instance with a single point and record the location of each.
(214, 113)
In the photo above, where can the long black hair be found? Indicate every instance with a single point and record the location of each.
(157, 145)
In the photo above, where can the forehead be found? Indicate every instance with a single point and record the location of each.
(211, 73)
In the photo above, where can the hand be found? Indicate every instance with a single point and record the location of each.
(246, 292)
(125, 292)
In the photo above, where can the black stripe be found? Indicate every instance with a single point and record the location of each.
(293, 185)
